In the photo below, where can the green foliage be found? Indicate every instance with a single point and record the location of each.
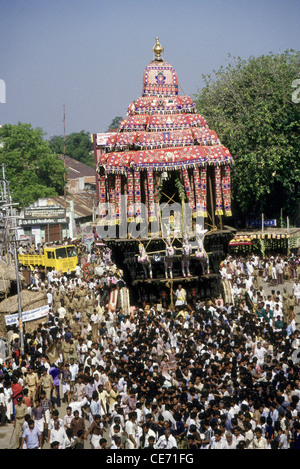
(180, 189)
(32, 171)
(115, 123)
(77, 145)
(249, 104)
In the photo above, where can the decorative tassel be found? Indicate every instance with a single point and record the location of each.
(151, 196)
(130, 197)
(203, 212)
(112, 199)
(102, 194)
(188, 190)
(117, 196)
(218, 191)
(226, 190)
(197, 188)
(137, 196)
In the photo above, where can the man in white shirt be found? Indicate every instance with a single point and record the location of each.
(181, 296)
(50, 298)
(131, 430)
(147, 433)
(166, 441)
(230, 441)
(283, 439)
(61, 312)
(248, 282)
(117, 442)
(249, 268)
(73, 370)
(58, 433)
(259, 441)
(77, 405)
(259, 353)
(217, 441)
(296, 291)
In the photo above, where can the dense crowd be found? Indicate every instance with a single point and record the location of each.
(215, 376)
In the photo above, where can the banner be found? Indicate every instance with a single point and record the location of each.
(52, 352)
(101, 139)
(113, 299)
(38, 313)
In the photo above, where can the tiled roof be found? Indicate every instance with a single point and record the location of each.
(83, 203)
(76, 169)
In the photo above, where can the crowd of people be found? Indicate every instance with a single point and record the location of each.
(246, 277)
(220, 375)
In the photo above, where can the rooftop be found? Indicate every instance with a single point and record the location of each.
(76, 169)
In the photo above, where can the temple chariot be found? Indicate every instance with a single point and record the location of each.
(163, 186)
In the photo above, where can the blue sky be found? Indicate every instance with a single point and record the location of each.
(90, 55)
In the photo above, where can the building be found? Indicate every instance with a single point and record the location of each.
(80, 177)
(54, 218)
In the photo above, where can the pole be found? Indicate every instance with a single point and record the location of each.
(288, 230)
(211, 202)
(4, 185)
(11, 240)
(19, 297)
(65, 172)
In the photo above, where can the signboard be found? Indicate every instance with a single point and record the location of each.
(88, 238)
(38, 313)
(101, 139)
(44, 216)
(44, 212)
(43, 221)
(253, 223)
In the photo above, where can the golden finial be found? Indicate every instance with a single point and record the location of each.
(158, 50)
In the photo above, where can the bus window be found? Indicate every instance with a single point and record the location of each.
(71, 251)
(61, 253)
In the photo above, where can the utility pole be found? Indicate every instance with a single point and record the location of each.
(9, 216)
(65, 172)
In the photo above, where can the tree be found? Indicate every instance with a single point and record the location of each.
(249, 104)
(115, 123)
(32, 171)
(77, 145)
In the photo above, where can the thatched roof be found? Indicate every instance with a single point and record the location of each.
(7, 271)
(29, 300)
(7, 275)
